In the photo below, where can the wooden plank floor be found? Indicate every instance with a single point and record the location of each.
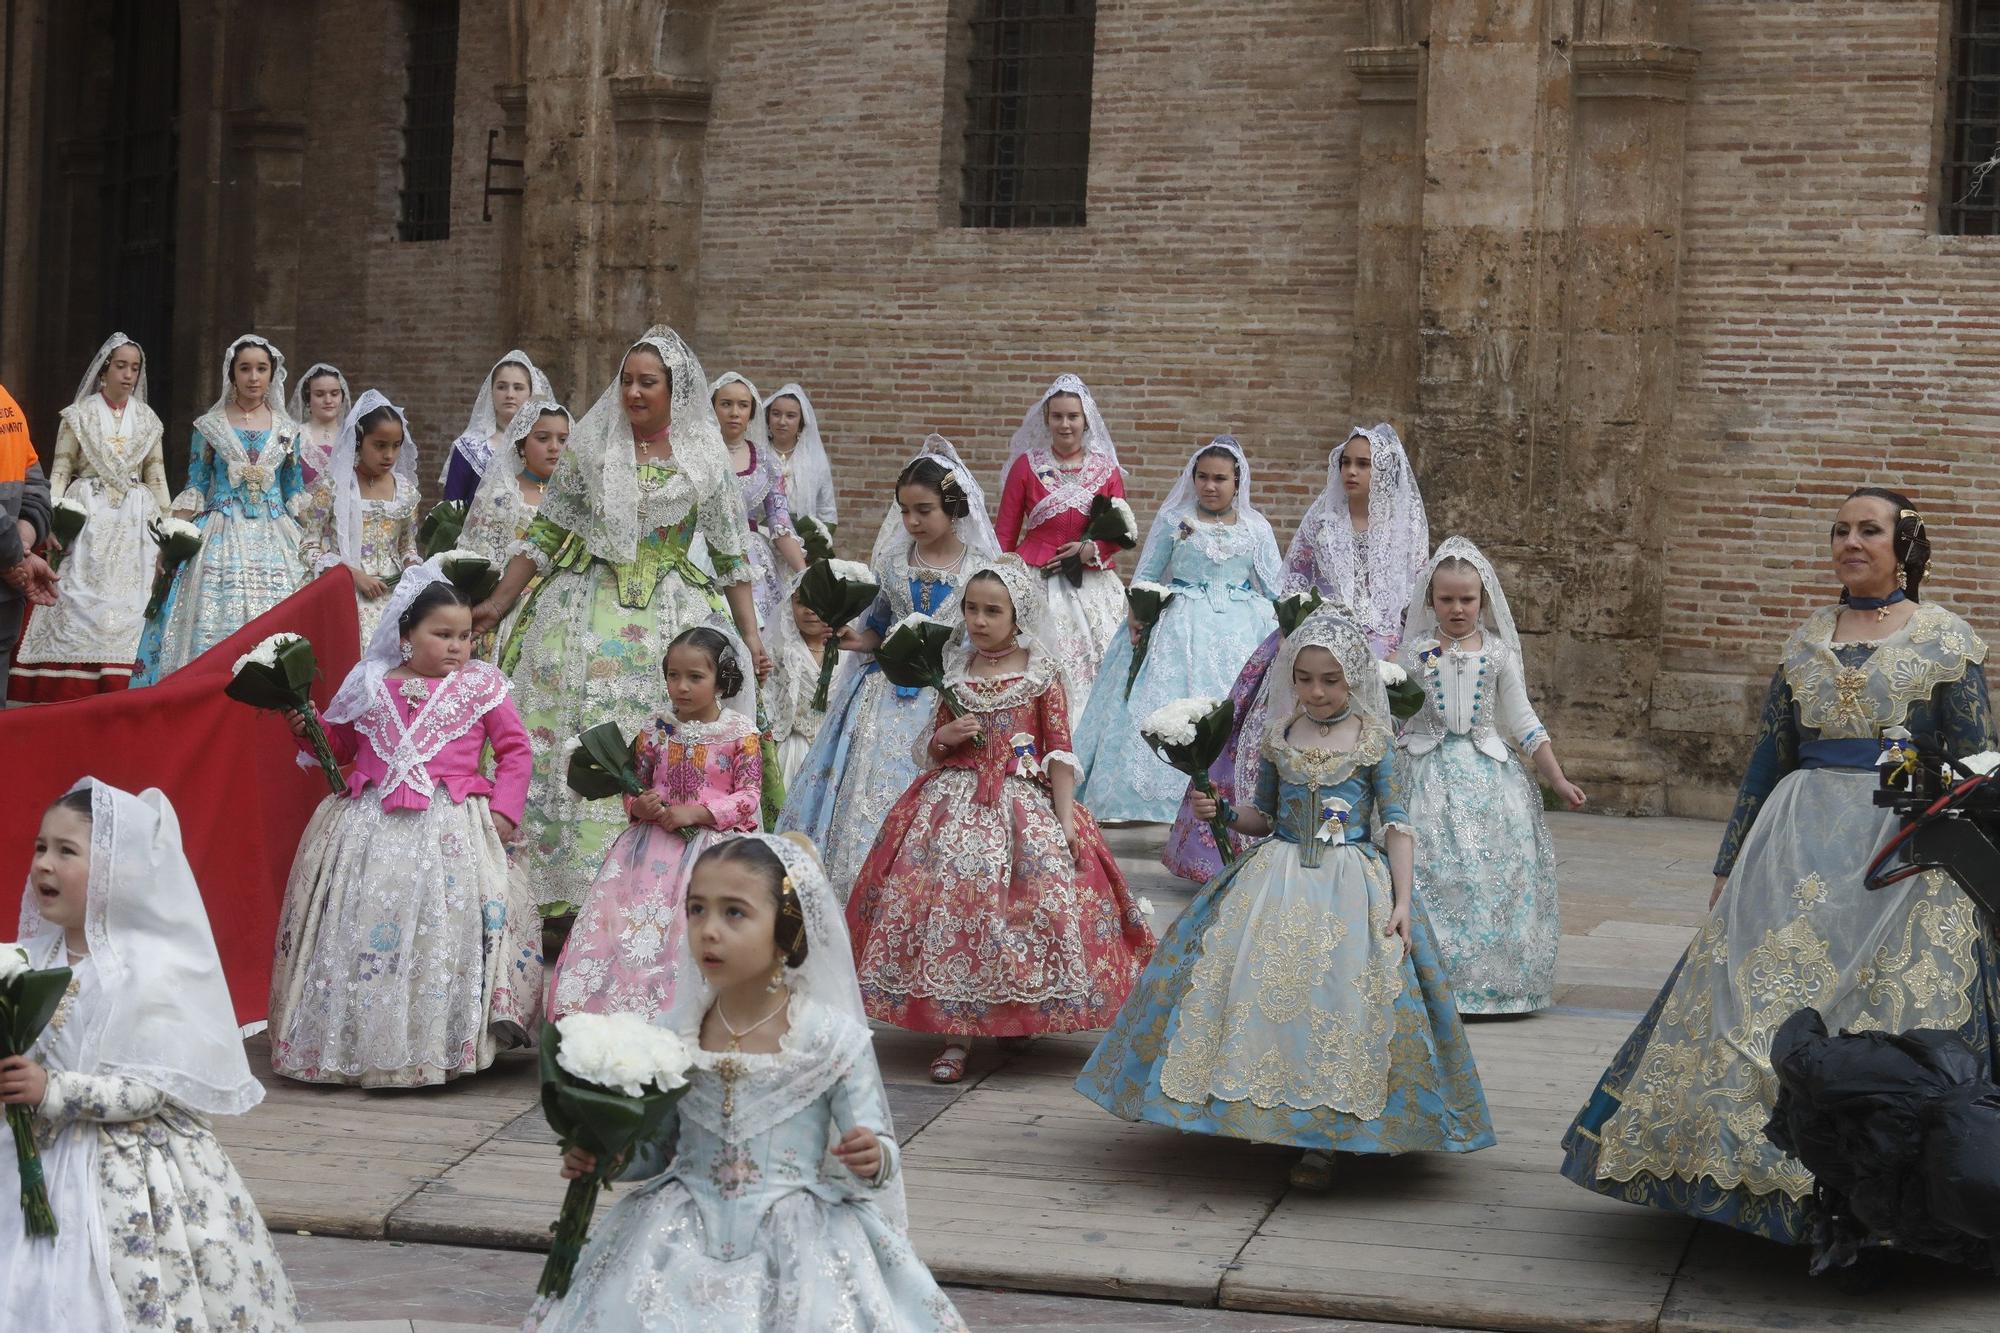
(1015, 1181)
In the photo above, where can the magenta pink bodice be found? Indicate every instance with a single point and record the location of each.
(1042, 508)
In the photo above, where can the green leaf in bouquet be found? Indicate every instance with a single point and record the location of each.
(816, 537)
(473, 575)
(1406, 699)
(835, 599)
(441, 526)
(912, 657)
(28, 1004)
(1146, 602)
(1292, 611)
(601, 764)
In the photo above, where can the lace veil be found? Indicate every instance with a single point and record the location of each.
(476, 441)
(347, 488)
(1034, 429)
(975, 529)
(1329, 628)
(165, 1017)
(1182, 503)
(385, 646)
(489, 519)
(1026, 588)
(297, 405)
(1398, 532)
(811, 471)
(110, 345)
(1421, 622)
(759, 438)
(595, 490)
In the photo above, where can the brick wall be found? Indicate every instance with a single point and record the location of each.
(1209, 293)
(421, 321)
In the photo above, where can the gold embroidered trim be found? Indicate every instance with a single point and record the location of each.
(1850, 702)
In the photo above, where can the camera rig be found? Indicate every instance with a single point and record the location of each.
(1951, 822)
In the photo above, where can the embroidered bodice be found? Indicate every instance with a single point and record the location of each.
(1828, 703)
(1044, 506)
(419, 735)
(1322, 798)
(388, 531)
(498, 518)
(717, 765)
(1213, 561)
(261, 485)
(1476, 693)
(669, 518)
(1024, 718)
(909, 587)
(120, 452)
(762, 487)
(316, 450)
(755, 1128)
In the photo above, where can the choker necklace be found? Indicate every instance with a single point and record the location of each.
(1000, 656)
(652, 439)
(1879, 605)
(1333, 721)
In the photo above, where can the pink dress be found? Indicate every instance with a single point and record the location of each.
(1043, 507)
(620, 955)
(406, 955)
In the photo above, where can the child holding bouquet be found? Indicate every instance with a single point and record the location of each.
(404, 958)
(1301, 998)
(363, 512)
(990, 905)
(864, 756)
(703, 770)
(156, 1229)
(780, 1205)
(799, 645)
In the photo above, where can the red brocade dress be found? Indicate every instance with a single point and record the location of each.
(970, 916)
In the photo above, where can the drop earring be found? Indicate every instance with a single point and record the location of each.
(1902, 579)
(408, 653)
(777, 979)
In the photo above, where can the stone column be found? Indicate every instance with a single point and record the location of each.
(1388, 211)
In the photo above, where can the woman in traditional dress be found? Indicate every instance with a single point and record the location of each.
(1485, 866)
(319, 404)
(1217, 555)
(1062, 459)
(244, 491)
(363, 514)
(1300, 999)
(792, 427)
(1362, 545)
(645, 471)
(108, 459)
(1677, 1121)
(865, 756)
(774, 543)
(513, 380)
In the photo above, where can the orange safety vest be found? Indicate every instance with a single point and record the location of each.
(17, 451)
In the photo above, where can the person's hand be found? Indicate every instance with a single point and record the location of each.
(646, 807)
(957, 731)
(1132, 631)
(1070, 836)
(296, 719)
(678, 816)
(1571, 794)
(1399, 924)
(1205, 806)
(849, 640)
(860, 1152)
(577, 1163)
(22, 1082)
(505, 827)
(32, 578)
(1069, 549)
(369, 586)
(1716, 892)
(759, 659)
(486, 616)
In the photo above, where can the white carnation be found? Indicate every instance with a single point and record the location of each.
(1145, 905)
(622, 1052)
(13, 962)
(912, 622)
(1126, 517)
(72, 507)
(456, 553)
(1392, 675)
(265, 653)
(1174, 723)
(176, 527)
(1983, 763)
(1142, 585)
(852, 571)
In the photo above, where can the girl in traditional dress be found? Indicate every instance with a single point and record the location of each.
(1218, 556)
(508, 497)
(990, 905)
(108, 459)
(244, 491)
(799, 646)
(865, 756)
(774, 545)
(1677, 1121)
(1362, 545)
(1484, 864)
(780, 1204)
(404, 958)
(792, 427)
(363, 514)
(703, 769)
(513, 380)
(154, 1227)
(1301, 998)
(645, 471)
(1062, 459)
(319, 404)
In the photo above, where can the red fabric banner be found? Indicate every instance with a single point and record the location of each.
(229, 770)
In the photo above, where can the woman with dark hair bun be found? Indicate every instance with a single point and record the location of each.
(1678, 1120)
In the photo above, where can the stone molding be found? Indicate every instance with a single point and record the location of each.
(661, 99)
(1386, 73)
(1651, 71)
(512, 99)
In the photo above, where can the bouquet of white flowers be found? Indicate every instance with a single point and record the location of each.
(1293, 610)
(277, 675)
(609, 1082)
(1190, 735)
(815, 536)
(28, 1000)
(66, 520)
(1146, 602)
(912, 658)
(1111, 521)
(179, 542)
(836, 591)
(1406, 697)
(441, 526)
(470, 572)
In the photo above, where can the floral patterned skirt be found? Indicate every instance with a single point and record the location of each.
(621, 953)
(406, 955)
(1083, 621)
(974, 919)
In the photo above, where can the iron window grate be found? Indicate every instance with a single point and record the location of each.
(428, 114)
(1971, 205)
(1027, 131)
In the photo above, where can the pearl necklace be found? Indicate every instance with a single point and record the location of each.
(731, 1070)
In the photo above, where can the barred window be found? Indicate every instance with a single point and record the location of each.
(1971, 203)
(1027, 129)
(425, 213)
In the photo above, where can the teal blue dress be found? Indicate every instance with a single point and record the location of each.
(1220, 612)
(1278, 1010)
